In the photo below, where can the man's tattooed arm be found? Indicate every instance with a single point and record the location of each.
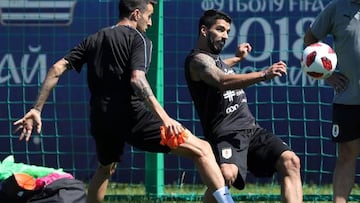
(140, 85)
(203, 67)
(51, 80)
(142, 89)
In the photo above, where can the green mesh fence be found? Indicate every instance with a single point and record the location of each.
(37, 33)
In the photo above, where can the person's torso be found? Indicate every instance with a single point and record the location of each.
(111, 55)
(344, 26)
(220, 111)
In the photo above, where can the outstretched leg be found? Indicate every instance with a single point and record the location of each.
(99, 182)
(200, 152)
(288, 166)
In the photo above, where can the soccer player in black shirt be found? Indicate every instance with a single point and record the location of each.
(239, 143)
(123, 108)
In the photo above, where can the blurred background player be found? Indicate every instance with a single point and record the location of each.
(123, 108)
(341, 20)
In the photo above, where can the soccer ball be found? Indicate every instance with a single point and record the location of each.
(318, 60)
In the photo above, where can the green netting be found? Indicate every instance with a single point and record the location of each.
(295, 108)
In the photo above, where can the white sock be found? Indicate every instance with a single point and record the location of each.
(222, 195)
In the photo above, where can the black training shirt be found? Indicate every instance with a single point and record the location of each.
(220, 112)
(111, 54)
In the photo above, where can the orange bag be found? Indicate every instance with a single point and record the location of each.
(172, 140)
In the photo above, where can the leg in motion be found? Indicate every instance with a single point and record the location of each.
(288, 166)
(344, 173)
(200, 152)
(99, 182)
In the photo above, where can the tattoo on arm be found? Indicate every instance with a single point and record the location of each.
(51, 80)
(142, 87)
(205, 69)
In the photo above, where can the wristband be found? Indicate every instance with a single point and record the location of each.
(263, 75)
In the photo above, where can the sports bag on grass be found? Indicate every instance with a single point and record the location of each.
(63, 190)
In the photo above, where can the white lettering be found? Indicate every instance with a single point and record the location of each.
(241, 6)
(207, 4)
(268, 37)
(257, 6)
(277, 5)
(231, 109)
(229, 94)
(24, 72)
(306, 5)
(283, 24)
(8, 64)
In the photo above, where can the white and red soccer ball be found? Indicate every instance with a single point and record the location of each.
(318, 60)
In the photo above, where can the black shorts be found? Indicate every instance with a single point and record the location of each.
(111, 131)
(254, 150)
(346, 122)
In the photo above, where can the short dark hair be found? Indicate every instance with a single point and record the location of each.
(126, 7)
(209, 18)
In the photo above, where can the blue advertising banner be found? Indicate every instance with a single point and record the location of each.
(37, 33)
(295, 107)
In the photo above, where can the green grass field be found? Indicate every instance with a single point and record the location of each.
(123, 193)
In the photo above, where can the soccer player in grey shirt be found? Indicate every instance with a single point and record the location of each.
(341, 20)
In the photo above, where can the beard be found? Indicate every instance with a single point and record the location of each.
(215, 46)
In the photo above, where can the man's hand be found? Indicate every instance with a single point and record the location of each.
(276, 70)
(241, 53)
(27, 123)
(173, 134)
(338, 81)
(173, 127)
(243, 50)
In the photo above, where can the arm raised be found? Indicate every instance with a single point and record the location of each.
(203, 68)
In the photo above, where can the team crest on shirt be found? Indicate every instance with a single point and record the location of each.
(335, 130)
(226, 153)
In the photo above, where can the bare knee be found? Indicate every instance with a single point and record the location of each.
(195, 149)
(230, 173)
(205, 149)
(288, 163)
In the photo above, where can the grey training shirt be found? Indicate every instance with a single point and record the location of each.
(341, 19)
